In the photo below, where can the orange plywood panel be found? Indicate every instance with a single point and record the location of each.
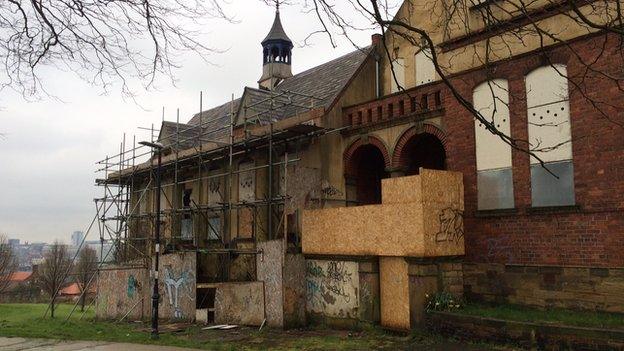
(394, 286)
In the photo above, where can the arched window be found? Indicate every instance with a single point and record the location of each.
(548, 110)
(425, 70)
(494, 169)
(398, 66)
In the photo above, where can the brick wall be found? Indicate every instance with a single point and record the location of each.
(588, 234)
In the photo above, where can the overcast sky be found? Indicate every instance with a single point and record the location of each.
(47, 158)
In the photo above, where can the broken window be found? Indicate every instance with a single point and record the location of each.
(423, 64)
(187, 219)
(548, 109)
(398, 67)
(494, 169)
(214, 228)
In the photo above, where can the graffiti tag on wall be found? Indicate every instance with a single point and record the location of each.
(178, 287)
(451, 225)
(332, 287)
(132, 286)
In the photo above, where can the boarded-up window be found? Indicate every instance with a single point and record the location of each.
(398, 67)
(214, 191)
(186, 228)
(143, 197)
(425, 70)
(548, 110)
(247, 182)
(494, 170)
(165, 197)
(214, 228)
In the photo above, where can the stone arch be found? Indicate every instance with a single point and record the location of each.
(401, 157)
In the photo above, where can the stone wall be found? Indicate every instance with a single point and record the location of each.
(239, 303)
(427, 277)
(123, 292)
(128, 290)
(546, 286)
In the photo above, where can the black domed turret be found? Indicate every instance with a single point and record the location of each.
(277, 46)
(276, 55)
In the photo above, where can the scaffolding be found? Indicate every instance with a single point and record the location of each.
(207, 154)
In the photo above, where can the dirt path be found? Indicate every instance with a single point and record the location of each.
(21, 344)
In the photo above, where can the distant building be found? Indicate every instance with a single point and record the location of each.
(76, 238)
(14, 242)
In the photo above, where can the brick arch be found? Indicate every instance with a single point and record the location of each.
(546, 59)
(349, 166)
(398, 157)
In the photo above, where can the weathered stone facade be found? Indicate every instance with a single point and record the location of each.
(590, 288)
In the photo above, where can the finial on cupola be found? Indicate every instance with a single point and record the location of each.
(276, 54)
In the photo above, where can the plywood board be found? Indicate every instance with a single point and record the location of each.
(394, 289)
(421, 216)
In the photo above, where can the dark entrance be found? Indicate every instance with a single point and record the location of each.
(369, 168)
(423, 150)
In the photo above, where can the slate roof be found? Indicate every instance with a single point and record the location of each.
(277, 31)
(291, 97)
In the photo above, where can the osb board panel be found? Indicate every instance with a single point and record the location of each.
(332, 288)
(177, 284)
(380, 230)
(421, 216)
(239, 303)
(269, 263)
(393, 190)
(394, 291)
(294, 290)
(123, 291)
(444, 229)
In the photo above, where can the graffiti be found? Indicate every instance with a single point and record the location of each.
(329, 190)
(132, 286)
(332, 286)
(451, 225)
(177, 287)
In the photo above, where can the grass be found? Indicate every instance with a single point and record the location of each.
(25, 320)
(554, 316)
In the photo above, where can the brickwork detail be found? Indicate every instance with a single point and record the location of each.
(590, 233)
(349, 164)
(399, 157)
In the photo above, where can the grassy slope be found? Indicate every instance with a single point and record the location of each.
(25, 320)
(556, 316)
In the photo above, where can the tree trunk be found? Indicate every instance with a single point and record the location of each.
(82, 300)
(52, 309)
